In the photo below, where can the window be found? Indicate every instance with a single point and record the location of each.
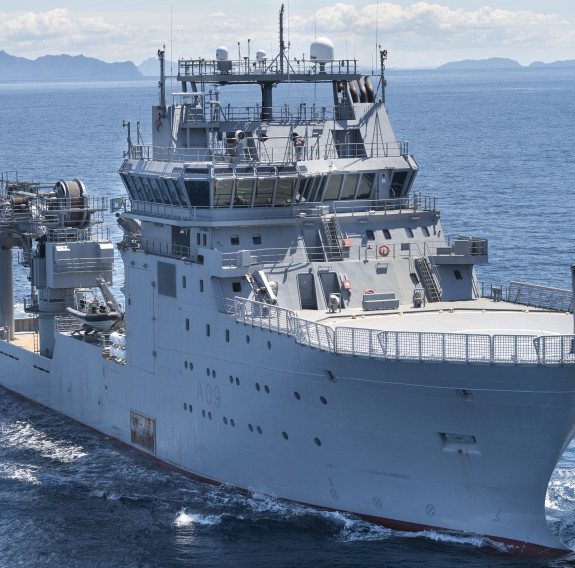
(199, 235)
(284, 191)
(333, 185)
(187, 324)
(425, 231)
(386, 234)
(370, 235)
(365, 186)
(349, 185)
(244, 190)
(409, 232)
(264, 191)
(207, 330)
(198, 192)
(223, 192)
(201, 285)
(236, 286)
(204, 239)
(257, 239)
(235, 240)
(457, 275)
(397, 183)
(228, 340)
(183, 281)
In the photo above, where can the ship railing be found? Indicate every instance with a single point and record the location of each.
(231, 68)
(71, 235)
(410, 345)
(284, 114)
(557, 299)
(263, 315)
(358, 207)
(540, 296)
(268, 153)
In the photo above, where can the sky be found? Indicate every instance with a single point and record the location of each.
(416, 34)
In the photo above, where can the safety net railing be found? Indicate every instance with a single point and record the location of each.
(410, 345)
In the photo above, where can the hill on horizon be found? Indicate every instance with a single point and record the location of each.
(62, 67)
(500, 63)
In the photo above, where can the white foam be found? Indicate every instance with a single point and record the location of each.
(19, 472)
(189, 519)
(23, 435)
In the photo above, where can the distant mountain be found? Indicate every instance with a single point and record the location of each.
(151, 67)
(501, 63)
(569, 63)
(62, 67)
(493, 63)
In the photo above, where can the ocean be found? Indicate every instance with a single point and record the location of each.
(496, 148)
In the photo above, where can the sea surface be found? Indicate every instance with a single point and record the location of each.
(497, 148)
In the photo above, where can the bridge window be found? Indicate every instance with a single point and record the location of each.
(244, 190)
(397, 184)
(365, 186)
(425, 231)
(198, 192)
(409, 232)
(284, 191)
(349, 185)
(386, 234)
(223, 192)
(264, 191)
(333, 185)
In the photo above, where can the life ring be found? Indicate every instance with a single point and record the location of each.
(383, 250)
(370, 291)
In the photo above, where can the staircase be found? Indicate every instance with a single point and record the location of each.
(333, 237)
(428, 279)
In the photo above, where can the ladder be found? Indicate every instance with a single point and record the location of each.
(333, 238)
(428, 279)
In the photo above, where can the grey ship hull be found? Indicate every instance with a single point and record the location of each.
(394, 442)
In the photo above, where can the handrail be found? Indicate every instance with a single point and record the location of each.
(409, 345)
(265, 153)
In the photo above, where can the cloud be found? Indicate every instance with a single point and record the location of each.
(56, 31)
(435, 24)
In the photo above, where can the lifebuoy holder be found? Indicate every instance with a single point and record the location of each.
(370, 291)
(383, 250)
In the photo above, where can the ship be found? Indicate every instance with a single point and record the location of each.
(295, 321)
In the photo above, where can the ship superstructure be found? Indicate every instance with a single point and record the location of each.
(295, 320)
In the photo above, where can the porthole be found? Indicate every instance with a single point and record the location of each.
(185, 364)
(225, 420)
(232, 423)
(204, 413)
(296, 394)
(208, 371)
(258, 387)
(269, 344)
(284, 434)
(213, 373)
(237, 382)
(267, 389)
(191, 365)
(317, 441)
(185, 406)
(250, 428)
(259, 430)
(190, 408)
(323, 399)
(247, 338)
(231, 380)
(210, 415)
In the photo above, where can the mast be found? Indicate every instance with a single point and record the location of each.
(282, 45)
(162, 81)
